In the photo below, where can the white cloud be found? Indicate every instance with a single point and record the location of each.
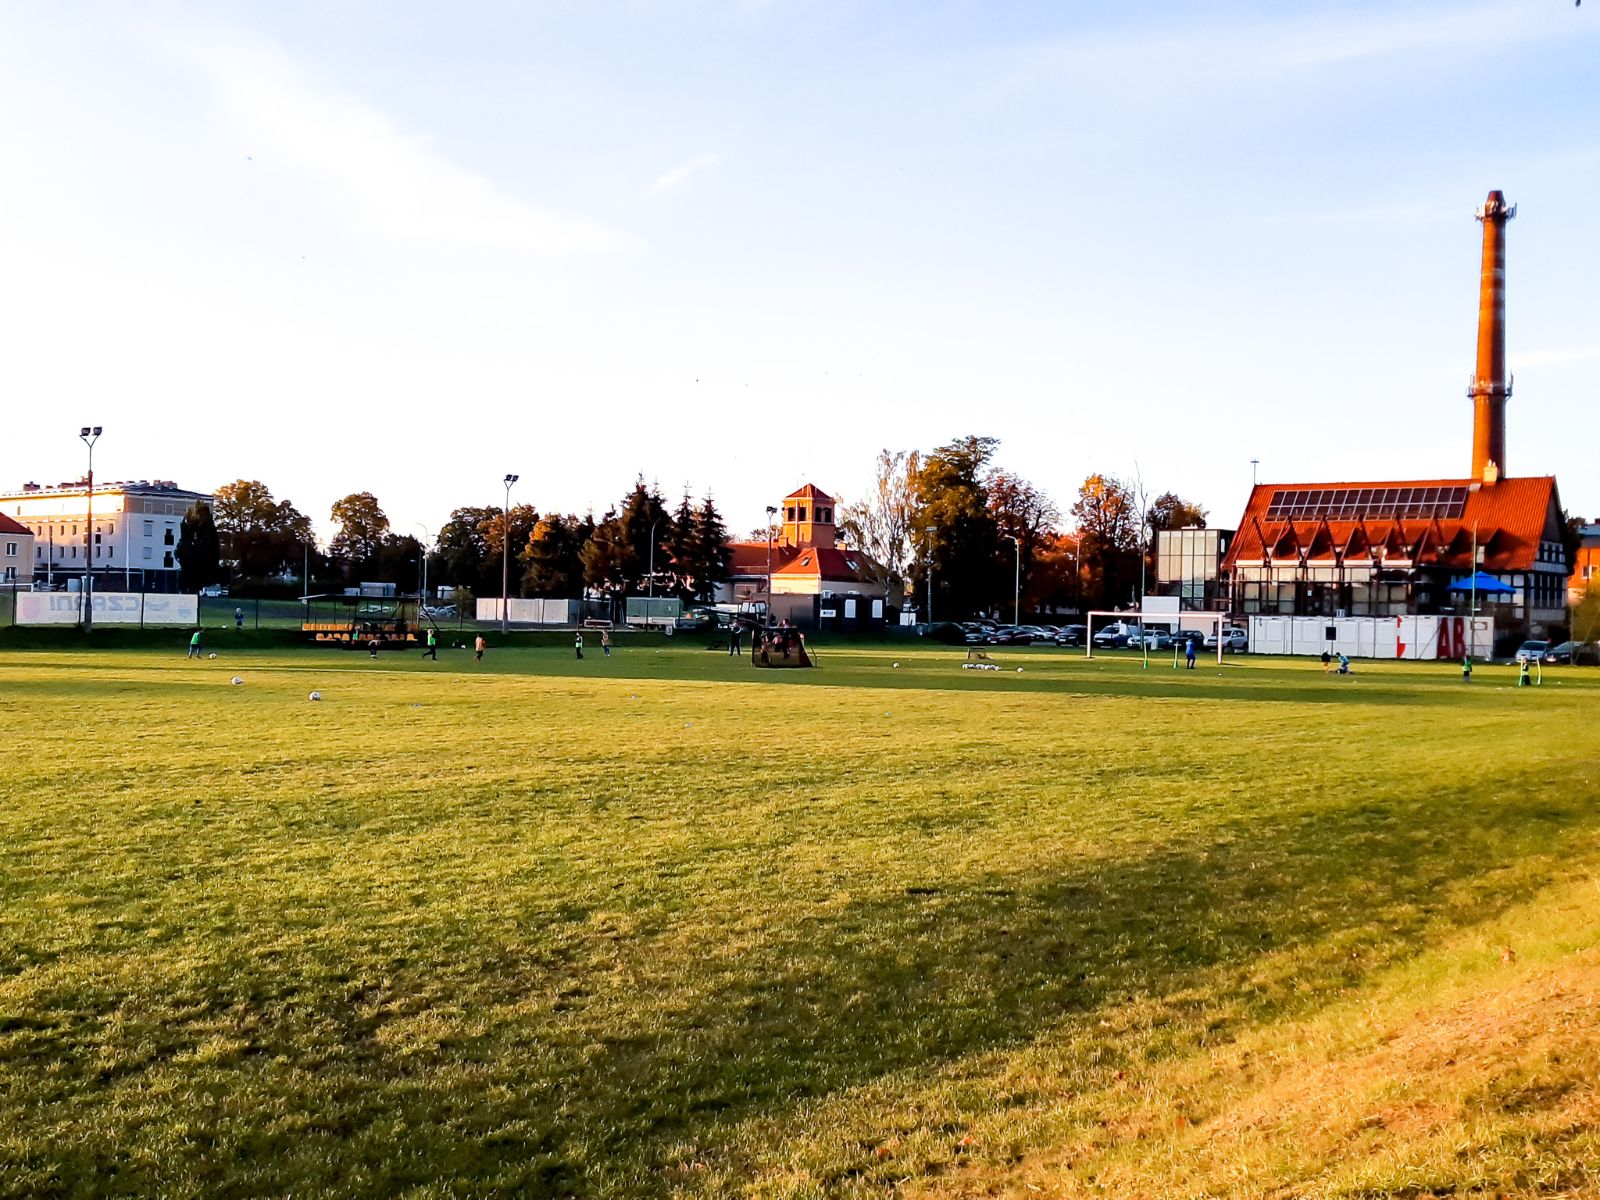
(670, 180)
(395, 181)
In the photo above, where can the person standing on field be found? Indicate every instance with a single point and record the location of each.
(194, 645)
(605, 641)
(478, 646)
(238, 618)
(735, 636)
(577, 643)
(433, 646)
(1188, 653)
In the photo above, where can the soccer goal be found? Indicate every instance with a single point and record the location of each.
(1164, 620)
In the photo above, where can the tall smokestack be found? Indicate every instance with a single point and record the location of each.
(1490, 388)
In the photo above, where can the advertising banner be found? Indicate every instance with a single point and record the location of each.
(110, 608)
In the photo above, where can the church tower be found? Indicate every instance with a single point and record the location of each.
(808, 519)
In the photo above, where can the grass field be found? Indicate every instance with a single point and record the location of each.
(663, 925)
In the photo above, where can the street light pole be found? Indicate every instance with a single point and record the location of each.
(772, 511)
(86, 593)
(505, 558)
(1016, 604)
(425, 547)
(652, 583)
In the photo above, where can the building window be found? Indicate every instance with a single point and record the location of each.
(166, 560)
(168, 539)
(11, 549)
(149, 529)
(148, 553)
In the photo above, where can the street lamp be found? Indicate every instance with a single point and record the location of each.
(652, 583)
(425, 547)
(505, 558)
(1016, 603)
(86, 594)
(772, 511)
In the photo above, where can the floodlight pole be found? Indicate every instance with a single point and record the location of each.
(505, 558)
(89, 437)
(1016, 596)
(651, 593)
(425, 546)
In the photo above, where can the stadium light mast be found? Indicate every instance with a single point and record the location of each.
(1016, 601)
(505, 558)
(89, 437)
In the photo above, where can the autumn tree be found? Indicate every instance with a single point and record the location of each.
(880, 524)
(260, 536)
(1108, 522)
(362, 526)
(1021, 511)
(552, 559)
(953, 530)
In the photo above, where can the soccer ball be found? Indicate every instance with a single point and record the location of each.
(315, 696)
(213, 654)
(236, 681)
(897, 666)
(1019, 670)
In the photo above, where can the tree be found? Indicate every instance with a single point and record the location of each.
(261, 537)
(517, 526)
(881, 525)
(607, 558)
(1021, 511)
(709, 549)
(1109, 538)
(953, 530)
(463, 551)
(199, 551)
(399, 561)
(1170, 511)
(683, 548)
(552, 559)
(362, 526)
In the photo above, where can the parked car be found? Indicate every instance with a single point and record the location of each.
(1532, 650)
(1190, 635)
(1011, 635)
(1114, 635)
(439, 611)
(1150, 639)
(1572, 652)
(946, 632)
(1234, 640)
(1071, 635)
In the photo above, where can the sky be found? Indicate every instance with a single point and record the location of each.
(736, 246)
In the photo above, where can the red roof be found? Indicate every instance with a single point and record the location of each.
(7, 525)
(810, 492)
(826, 562)
(750, 558)
(1422, 521)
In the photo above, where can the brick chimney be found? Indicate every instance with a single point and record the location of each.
(1490, 387)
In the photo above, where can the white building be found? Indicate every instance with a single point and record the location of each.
(132, 547)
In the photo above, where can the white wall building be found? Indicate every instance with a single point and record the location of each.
(133, 545)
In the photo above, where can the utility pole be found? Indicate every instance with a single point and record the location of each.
(505, 558)
(772, 511)
(86, 593)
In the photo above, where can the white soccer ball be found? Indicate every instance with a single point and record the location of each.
(315, 696)
(213, 654)
(236, 681)
(1019, 670)
(897, 666)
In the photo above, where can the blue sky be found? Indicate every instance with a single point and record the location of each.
(411, 247)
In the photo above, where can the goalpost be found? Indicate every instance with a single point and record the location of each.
(1144, 619)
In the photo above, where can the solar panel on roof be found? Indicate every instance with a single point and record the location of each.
(1350, 504)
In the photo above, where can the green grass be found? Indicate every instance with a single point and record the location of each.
(665, 925)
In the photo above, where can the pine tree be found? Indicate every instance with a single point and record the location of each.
(199, 550)
(710, 549)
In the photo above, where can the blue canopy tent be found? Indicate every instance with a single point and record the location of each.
(1486, 585)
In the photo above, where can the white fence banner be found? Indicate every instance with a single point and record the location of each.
(1407, 637)
(109, 608)
(529, 612)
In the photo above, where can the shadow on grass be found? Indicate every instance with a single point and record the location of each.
(940, 968)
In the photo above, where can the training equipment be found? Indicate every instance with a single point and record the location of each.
(315, 696)
(236, 681)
